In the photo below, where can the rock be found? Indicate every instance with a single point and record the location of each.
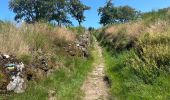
(20, 86)
(77, 45)
(20, 67)
(16, 85)
(5, 56)
(80, 46)
(51, 95)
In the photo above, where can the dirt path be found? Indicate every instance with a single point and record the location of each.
(95, 88)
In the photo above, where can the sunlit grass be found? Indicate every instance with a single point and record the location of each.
(125, 84)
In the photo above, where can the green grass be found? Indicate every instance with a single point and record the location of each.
(137, 57)
(66, 82)
(126, 85)
(42, 40)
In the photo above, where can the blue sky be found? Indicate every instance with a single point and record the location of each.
(92, 18)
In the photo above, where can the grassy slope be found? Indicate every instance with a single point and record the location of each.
(137, 58)
(66, 82)
(126, 85)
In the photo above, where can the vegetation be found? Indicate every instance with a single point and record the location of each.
(125, 83)
(40, 36)
(66, 82)
(136, 52)
(56, 11)
(137, 57)
(42, 39)
(111, 14)
(38, 10)
(77, 10)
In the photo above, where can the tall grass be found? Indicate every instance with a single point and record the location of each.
(11, 40)
(29, 42)
(125, 83)
(26, 38)
(139, 65)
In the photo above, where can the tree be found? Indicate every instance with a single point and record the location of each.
(111, 14)
(105, 13)
(127, 13)
(77, 10)
(60, 13)
(36, 10)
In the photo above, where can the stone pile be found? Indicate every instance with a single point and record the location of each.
(13, 73)
(38, 67)
(80, 46)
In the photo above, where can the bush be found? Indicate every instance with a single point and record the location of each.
(26, 59)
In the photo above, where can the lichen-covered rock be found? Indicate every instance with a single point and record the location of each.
(16, 84)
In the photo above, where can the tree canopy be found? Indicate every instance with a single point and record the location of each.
(48, 10)
(111, 14)
(77, 10)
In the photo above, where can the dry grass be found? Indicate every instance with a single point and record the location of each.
(12, 41)
(132, 31)
(150, 41)
(51, 32)
(131, 28)
(24, 39)
(135, 29)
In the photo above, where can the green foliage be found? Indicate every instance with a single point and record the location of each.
(119, 42)
(110, 14)
(40, 10)
(80, 29)
(55, 11)
(126, 83)
(151, 54)
(26, 59)
(60, 12)
(77, 10)
(147, 70)
(141, 71)
(40, 40)
(105, 12)
(66, 82)
(153, 16)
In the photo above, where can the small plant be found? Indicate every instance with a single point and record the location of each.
(26, 58)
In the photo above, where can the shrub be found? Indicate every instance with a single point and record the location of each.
(26, 58)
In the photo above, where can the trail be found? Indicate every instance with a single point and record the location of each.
(95, 88)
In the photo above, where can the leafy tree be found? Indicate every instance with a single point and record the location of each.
(60, 12)
(77, 10)
(36, 10)
(111, 14)
(105, 12)
(126, 13)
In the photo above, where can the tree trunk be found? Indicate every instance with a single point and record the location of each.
(79, 23)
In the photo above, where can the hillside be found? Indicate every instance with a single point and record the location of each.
(45, 57)
(137, 57)
(55, 60)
